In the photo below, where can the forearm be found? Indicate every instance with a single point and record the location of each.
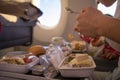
(110, 28)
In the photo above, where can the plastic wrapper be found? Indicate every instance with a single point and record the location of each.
(48, 69)
(50, 61)
(50, 72)
(55, 55)
(37, 70)
(62, 43)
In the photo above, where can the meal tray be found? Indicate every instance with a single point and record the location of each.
(76, 72)
(18, 68)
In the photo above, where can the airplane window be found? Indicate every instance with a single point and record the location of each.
(107, 10)
(51, 13)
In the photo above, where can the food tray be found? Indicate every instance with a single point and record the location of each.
(76, 72)
(18, 68)
(74, 47)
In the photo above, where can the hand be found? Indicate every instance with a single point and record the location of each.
(97, 41)
(88, 22)
(108, 54)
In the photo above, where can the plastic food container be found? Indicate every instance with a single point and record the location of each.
(78, 46)
(76, 72)
(18, 68)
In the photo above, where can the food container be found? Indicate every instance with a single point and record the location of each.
(18, 68)
(76, 72)
(78, 46)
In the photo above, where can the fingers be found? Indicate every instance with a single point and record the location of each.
(107, 54)
(77, 27)
(86, 22)
(79, 20)
(82, 12)
(98, 41)
(82, 18)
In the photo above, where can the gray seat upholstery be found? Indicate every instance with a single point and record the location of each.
(105, 65)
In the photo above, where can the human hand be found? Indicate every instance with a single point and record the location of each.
(97, 41)
(88, 22)
(108, 54)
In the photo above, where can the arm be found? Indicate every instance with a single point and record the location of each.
(110, 28)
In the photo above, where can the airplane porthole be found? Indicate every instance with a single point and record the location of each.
(51, 13)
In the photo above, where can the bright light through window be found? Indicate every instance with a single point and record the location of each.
(107, 10)
(51, 12)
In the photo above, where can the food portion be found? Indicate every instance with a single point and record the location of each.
(37, 50)
(78, 60)
(12, 60)
(78, 45)
(20, 59)
(16, 60)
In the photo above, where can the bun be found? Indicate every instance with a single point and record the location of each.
(37, 50)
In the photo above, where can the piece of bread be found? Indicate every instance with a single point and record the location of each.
(81, 60)
(37, 50)
(81, 57)
(83, 63)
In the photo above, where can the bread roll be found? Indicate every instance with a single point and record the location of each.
(37, 50)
